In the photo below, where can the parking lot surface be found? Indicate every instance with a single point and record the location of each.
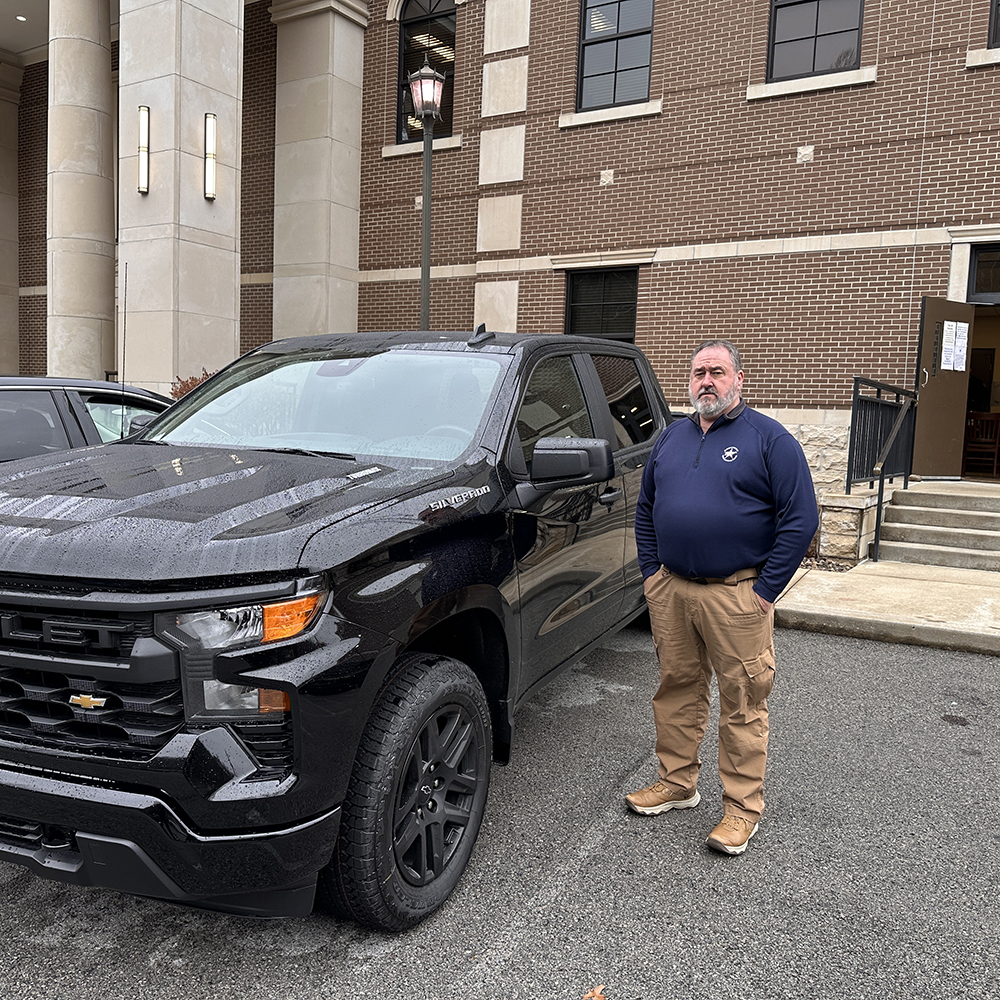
(874, 874)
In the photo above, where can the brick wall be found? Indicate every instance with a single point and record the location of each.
(912, 151)
(257, 199)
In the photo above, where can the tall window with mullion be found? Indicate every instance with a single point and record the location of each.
(426, 28)
(615, 46)
(809, 37)
(602, 303)
(984, 274)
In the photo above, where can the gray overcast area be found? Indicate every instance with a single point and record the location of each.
(874, 873)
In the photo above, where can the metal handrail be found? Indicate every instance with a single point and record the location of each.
(876, 451)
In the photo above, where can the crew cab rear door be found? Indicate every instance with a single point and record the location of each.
(570, 542)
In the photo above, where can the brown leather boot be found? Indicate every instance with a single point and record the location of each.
(660, 797)
(732, 835)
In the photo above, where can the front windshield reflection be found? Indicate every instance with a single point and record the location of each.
(396, 404)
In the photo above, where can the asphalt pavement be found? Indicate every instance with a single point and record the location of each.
(874, 874)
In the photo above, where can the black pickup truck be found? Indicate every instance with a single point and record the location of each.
(266, 649)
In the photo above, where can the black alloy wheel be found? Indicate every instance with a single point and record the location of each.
(416, 797)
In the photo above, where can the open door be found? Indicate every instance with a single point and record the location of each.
(942, 387)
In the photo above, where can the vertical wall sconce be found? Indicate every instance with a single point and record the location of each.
(143, 183)
(210, 141)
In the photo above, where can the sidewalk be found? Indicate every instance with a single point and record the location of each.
(898, 602)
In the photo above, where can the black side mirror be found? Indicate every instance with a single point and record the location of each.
(140, 422)
(557, 463)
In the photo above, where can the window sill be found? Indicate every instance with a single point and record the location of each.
(411, 148)
(982, 57)
(804, 85)
(624, 111)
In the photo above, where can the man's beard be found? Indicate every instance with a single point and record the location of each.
(711, 406)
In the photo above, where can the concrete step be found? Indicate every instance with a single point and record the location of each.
(985, 498)
(972, 539)
(939, 555)
(943, 517)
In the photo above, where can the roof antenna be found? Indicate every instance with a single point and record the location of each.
(480, 336)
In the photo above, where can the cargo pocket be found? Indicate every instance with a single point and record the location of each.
(760, 677)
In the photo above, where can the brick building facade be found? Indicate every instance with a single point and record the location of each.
(803, 209)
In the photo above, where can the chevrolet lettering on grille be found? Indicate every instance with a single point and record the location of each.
(85, 701)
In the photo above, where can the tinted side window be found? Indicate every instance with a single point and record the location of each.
(29, 424)
(634, 418)
(553, 405)
(111, 418)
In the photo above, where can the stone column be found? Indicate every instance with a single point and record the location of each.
(317, 165)
(178, 249)
(80, 226)
(10, 95)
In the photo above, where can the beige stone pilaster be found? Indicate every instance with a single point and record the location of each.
(179, 249)
(10, 87)
(317, 165)
(80, 227)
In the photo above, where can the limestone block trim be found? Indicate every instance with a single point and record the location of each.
(958, 272)
(30, 290)
(498, 226)
(704, 251)
(412, 148)
(987, 233)
(501, 155)
(495, 304)
(505, 87)
(981, 57)
(645, 110)
(602, 258)
(265, 278)
(826, 81)
(286, 10)
(507, 25)
(413, 273)
(312, 270)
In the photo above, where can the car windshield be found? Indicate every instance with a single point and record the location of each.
(408, 404)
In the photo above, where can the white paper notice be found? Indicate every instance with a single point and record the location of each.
(961, 345)
(948, 346)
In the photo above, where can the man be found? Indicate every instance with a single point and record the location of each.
(725, 515)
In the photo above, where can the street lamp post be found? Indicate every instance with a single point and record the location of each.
(426, 86)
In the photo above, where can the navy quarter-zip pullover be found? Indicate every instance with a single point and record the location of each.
(737, 496)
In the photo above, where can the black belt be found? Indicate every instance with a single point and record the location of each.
(732, 579)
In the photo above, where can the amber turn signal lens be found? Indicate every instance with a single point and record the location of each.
(282, 621)
(270, 700)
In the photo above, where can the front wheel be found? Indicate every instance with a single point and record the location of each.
(416, 797)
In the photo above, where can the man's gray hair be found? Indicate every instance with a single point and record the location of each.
(726, 345)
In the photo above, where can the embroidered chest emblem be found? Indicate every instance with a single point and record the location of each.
(730, 454)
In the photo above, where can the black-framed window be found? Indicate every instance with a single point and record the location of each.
(809, 37)
(602, 303)
(615, 45)
(426, 28)
(984, 273)
(994, 42)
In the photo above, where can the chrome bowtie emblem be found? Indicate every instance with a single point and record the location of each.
(729, 455)
(85, 701)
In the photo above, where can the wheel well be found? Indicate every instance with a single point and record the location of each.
(477, 639)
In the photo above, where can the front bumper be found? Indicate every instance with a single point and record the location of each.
(267, 873)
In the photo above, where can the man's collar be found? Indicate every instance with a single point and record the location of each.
(695, 417)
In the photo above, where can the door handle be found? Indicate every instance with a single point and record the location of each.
(609, 497)
(927, 378)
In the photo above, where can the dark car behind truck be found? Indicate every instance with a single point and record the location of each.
(267, 648)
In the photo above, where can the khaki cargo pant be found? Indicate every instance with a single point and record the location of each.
(698, 627)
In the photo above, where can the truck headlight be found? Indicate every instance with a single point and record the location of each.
(224, 628)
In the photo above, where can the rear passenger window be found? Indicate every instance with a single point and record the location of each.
(553, 406)
(633, 416)
(29, 424)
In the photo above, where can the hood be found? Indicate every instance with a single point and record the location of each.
(156, 513)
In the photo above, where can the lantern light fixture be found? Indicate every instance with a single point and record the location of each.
(143, 179)
(211, 128)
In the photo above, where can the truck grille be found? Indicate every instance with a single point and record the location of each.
(35, 630)
(49, 709)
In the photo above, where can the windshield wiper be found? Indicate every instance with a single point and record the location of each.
(312, 454)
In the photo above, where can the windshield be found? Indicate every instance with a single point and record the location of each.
(398, 404)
